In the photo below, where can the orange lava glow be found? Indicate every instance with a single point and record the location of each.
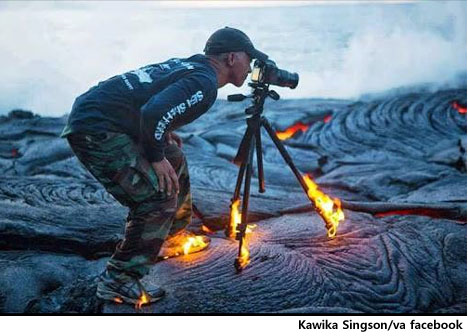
(459, 108)
(327, 118)
(330, 210)
(290, 131)
(143, 300)
(118, 300)
(434, 213)
(407, 212)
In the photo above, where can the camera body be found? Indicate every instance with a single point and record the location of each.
(268, 73)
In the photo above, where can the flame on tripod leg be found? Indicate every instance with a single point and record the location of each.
(330, 210)
(235, 219)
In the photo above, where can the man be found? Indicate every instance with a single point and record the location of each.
(121, 130)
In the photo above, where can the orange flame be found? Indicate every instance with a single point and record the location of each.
(206, 229)
(290, 131)
(250, 228)
(459, 108)
(329, 210)
(143, 300)
(244, 258)
(118, 300)
(193, 242)
(236, 219)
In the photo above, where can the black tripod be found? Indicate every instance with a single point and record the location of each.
(251, 142)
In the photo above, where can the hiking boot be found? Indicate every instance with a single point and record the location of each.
(131, 292)
(182, 243)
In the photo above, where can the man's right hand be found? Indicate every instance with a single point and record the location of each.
(167, 177)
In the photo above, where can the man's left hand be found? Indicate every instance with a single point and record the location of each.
(174, 139)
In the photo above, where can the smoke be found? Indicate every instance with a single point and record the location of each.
(424, 45)
(53, 51)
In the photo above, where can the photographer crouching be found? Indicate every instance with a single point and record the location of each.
(122, 132)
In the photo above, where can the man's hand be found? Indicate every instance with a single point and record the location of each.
(174, 139)
(167, 177)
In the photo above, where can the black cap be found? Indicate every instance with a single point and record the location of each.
(229, 39)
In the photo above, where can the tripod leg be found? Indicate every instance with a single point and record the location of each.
(242, 158)
(284, 153)
(242, 256)
(240, 176)
(230, 230)
(329, 210)
(261, 177)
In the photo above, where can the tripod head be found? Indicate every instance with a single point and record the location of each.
(260, 92)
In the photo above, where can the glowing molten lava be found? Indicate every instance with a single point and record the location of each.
(290, 131)
(118, 300)
(196, 241)
(236, 219)
(407, 212)
(143, 300)
(459, 108)
(330, 210)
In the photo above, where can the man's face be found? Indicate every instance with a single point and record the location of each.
(240, 68)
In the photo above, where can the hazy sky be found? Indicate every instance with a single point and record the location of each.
(53, 51)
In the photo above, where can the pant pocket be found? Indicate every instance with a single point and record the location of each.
(135, 184)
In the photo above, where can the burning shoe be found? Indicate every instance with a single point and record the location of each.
(132, 292)
(183, 243)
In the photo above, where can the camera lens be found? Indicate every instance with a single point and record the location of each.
(284, 78)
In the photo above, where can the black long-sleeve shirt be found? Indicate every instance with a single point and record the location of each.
(147, 103)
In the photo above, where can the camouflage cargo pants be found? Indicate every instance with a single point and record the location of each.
(116, 161)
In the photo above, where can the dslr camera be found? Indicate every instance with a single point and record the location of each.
(267, 72)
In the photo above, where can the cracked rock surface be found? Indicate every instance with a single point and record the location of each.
(397, 163)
